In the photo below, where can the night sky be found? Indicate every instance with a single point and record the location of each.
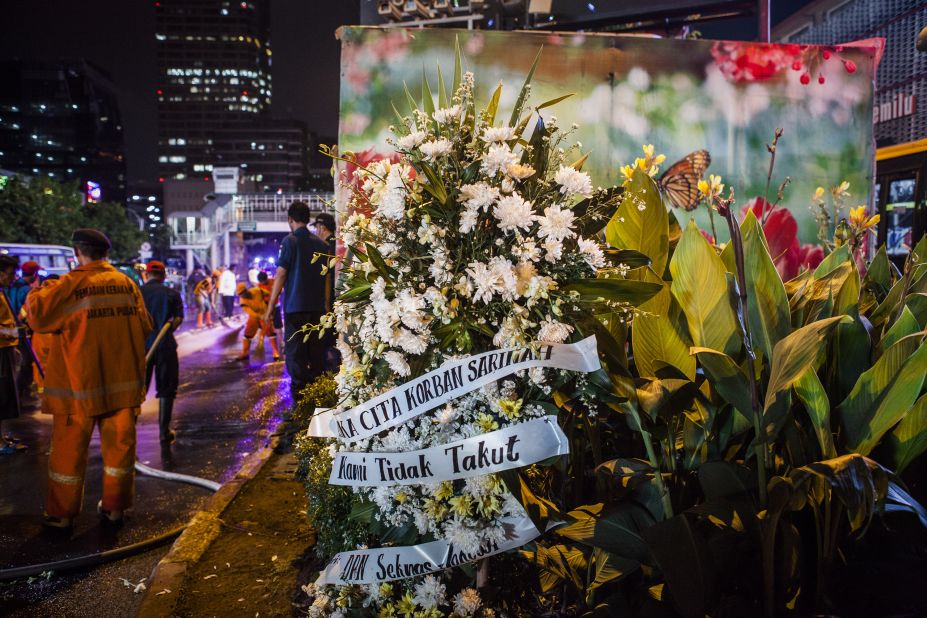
(118, 36)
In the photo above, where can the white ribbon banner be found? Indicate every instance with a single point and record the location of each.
(456, 378)
(372, 566)
(320, 426)
(514, 446)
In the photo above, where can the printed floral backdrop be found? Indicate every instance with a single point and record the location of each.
(728, 97)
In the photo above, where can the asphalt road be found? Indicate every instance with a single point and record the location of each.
(224, 411)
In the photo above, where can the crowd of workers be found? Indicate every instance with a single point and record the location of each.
(92, 340)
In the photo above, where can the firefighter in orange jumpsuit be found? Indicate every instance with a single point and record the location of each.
(97, 377)
(254, 303)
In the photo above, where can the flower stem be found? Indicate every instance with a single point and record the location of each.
(657, 473)
(725, 207)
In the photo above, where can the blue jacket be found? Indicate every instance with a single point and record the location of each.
(17, 295)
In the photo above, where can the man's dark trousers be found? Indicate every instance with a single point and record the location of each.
(304, 361)
(166, 369)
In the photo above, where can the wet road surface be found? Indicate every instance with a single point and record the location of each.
(224, 411)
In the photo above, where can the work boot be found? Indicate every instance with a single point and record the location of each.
(112, 517)
(245, 349)
(165, 409)
(199, 320)
(61, 523)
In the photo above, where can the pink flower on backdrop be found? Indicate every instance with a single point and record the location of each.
(781, 232)
(389, 47)
(753, 62)
(355, 123)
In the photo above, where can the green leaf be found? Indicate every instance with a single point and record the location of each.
(851, 357)
(377, 260)
(442, 93)
(686, 562)
(428, 101)
(811, 393)
(493, 106)
(624, 290)
(817, 299)
(410, 100)
(401, 127)
(878, 278)
(795, 354)
(645, 231)
(767, 304)
(362, 511)
(884, 394)
(917, 304)
(836, 257)
(434, 186)
(520, 101)
(727, 378)
(540, 510)
(909, 438)
(660, 336)
(905, 325)
(553, 102)
(700, 287)
(616, 529)
(457, 73)
(629, 257)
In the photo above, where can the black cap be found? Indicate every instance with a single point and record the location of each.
(92, 237)
(327, 220)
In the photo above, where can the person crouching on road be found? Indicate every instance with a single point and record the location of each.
(203, 295)
(98, 317)
(165, 307)
(254, 304)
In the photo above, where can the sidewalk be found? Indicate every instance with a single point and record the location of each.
(247, 551)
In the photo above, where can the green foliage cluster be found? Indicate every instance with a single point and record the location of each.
(693, 489)
(329, 506)
(44, 211)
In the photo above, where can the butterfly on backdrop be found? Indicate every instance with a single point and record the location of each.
(680, 181)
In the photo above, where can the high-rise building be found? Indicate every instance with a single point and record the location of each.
(214, 95)
(61, 120)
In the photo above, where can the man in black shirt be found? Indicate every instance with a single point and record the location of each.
(165, 306)
(303, 298)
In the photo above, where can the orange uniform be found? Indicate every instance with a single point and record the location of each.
(9, 335)
(96, 323)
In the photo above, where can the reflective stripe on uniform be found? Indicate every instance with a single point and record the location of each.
(64, 479)
(106, 389)
(98, 302)
(117, 472)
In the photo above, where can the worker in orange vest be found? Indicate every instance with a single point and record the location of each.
(96, 378)
(254, 303)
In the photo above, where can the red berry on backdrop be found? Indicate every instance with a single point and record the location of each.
(805, 79)
(820, 79)
(826, 55)
(850, 66)
(796, 66)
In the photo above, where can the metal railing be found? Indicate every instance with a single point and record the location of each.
(273, 206)
(193, 239)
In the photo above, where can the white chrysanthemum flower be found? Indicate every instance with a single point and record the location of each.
(411, 309)
(446, 415)
(513, 213)
(413, 139)
(553, 250)
(463, 537)
(553, 331)
(573, 182)
(592, 252)
(478, 195)
(446, 114)
(439, 267)
(504, 272)
(466, 602)
(485, 281)
(497, 159)
(411, 342)
(498, 134)
(429, 593)
(557, 223)
(436, 148)
(526, 249)
(468, 220)
(393, 202)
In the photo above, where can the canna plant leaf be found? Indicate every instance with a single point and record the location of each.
(727, 378)
(660, 335)
(905, 325)
(523, 94)
(626, 290)
(884, 394)
(811, 393)
(700, 287)
(640, 223)
(909, 438)
(834, 259)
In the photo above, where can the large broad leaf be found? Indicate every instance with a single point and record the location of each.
(730, 382)
(659, 336)
(852, 349)
(616, 529)
(836, 257)
(888, 308)
(909, 438)
(884, 394)
(905, 325)
(686, 563)
(846, 301)
(817, 300)
(700, 287)
(811, 393)
(623, 290)
(641, 223)
(878, 278)
(767, 303)
(917, 304)
(794, 355)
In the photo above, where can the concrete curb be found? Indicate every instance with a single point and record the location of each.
(204, 527)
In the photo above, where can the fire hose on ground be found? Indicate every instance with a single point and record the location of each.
(118, 553)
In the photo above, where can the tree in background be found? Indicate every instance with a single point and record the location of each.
(43, 211)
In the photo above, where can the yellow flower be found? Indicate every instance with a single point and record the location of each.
(401, 497)
(641, 164)
(435, 509)
(628, 172)
(859, 220)
(519, 172)
(461, 505)
(434, 612)
(386, 589)
(510, 409)
(406, 605)
(387, 611)
(711, 188)
(489, 505)
(486, 423)
(648, 151)
(818, 194)
(445, 490)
